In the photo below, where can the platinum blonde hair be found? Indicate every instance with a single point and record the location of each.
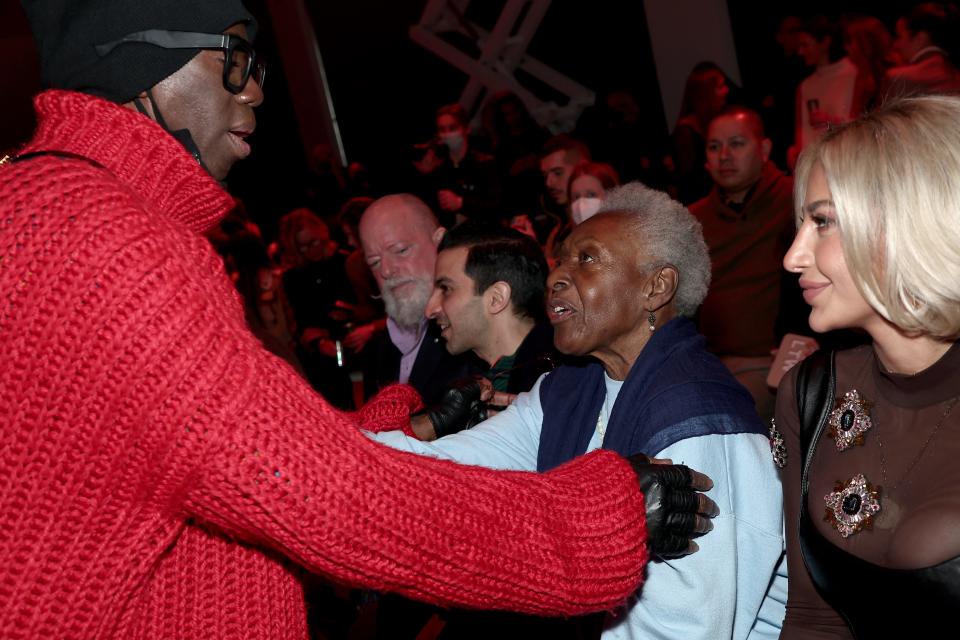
(670, 235)
(894, 177)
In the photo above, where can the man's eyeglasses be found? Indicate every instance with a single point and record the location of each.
(239, 62)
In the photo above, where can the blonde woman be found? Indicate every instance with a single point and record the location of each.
(868, 438)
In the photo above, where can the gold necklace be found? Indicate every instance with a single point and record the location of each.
(883, 462)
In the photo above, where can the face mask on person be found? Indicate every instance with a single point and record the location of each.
(584, 208)
(453, 140)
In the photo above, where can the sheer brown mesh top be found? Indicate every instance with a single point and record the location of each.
(878, 531)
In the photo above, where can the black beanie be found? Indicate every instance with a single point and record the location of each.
(67, 33)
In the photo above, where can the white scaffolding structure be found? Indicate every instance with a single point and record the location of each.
(502, 52)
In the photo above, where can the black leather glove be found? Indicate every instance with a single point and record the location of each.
(460, 408)
(676, 510)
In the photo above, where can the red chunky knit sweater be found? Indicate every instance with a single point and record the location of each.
(162, 475)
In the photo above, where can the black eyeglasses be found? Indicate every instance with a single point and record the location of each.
(239, 61)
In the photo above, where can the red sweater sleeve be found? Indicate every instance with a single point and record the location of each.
(294, 474)
(282, 468)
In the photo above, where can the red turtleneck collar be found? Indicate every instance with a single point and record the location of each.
(133, 148)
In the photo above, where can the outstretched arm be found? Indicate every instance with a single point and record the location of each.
(287, 471)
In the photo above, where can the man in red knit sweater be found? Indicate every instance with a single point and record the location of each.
(163, 475)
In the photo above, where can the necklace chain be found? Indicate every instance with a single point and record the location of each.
(923, 449)
(601, 423)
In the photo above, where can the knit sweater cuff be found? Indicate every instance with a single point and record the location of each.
(567, 542)
(606, 525)
(390, 410)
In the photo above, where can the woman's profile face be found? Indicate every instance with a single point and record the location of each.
(594, 297)
(817, 255)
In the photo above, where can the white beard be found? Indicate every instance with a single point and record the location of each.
(408, 310)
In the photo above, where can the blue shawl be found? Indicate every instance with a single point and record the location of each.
(673, 380)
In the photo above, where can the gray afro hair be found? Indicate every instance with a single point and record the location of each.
(670, 234)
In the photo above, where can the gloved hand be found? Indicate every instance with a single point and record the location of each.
(676, 510)
(460, 408)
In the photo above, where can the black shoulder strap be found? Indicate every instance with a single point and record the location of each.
(815, 389)
(57, 154)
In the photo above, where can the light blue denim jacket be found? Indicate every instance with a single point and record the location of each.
(733, 587)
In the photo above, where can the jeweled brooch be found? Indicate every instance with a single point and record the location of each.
(776, 445)
(852, 505)
(850, 420)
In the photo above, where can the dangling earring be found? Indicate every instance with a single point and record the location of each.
(652, 319)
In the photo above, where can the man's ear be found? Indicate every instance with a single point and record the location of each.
(437, 236)
(662, 287)
(497, 297)
(766, 146)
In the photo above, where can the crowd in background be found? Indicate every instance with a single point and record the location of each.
(312, 300)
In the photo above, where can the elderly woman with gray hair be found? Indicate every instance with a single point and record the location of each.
(624, 288)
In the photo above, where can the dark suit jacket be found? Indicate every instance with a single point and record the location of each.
(433, 370)
(536, 356)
